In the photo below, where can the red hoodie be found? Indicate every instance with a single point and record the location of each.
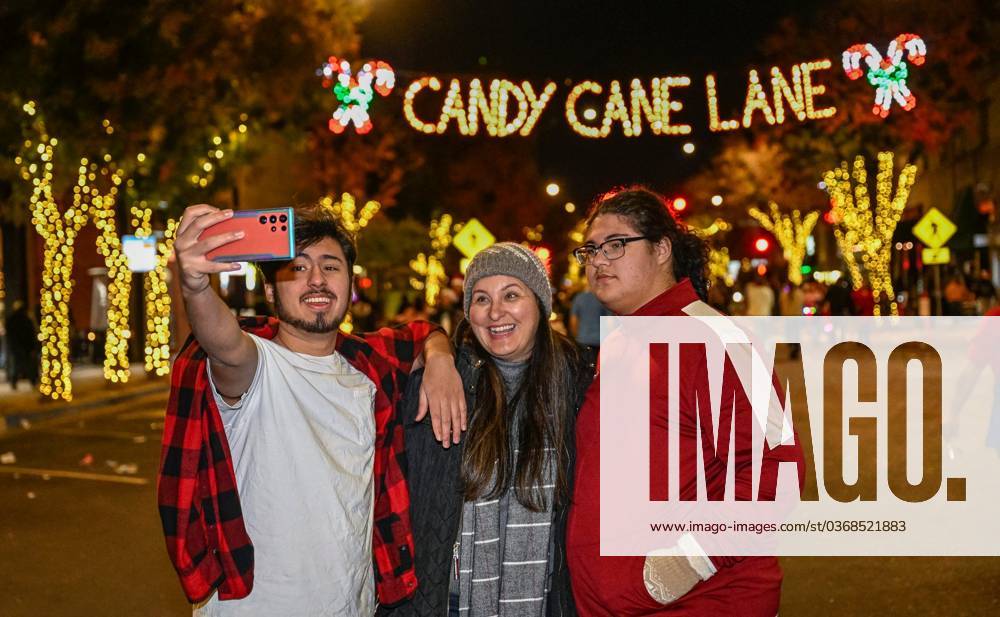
(613, 586)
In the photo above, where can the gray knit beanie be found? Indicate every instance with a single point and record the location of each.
(513, 260)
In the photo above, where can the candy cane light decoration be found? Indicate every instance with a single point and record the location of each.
(355, 93)
(887, 74)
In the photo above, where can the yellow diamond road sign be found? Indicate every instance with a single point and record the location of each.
(934, 229)
(933, 257)
(473, 238)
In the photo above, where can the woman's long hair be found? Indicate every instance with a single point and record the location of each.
(544, 406)
(649, 214)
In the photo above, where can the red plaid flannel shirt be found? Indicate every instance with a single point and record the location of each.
(198, 499)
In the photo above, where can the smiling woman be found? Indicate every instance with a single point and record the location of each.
(489, 516)
(504, 316)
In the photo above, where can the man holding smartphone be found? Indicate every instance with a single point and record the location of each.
(283, 433)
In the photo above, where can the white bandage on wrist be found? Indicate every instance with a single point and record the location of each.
(670, 573)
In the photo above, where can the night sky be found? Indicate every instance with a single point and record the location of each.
(574, 41)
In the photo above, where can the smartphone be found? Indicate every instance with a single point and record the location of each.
(269, 236)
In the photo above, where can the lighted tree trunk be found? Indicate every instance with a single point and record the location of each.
(58, 230)
(791, 231)
(109, 244)
(867, 226)
(430, 267)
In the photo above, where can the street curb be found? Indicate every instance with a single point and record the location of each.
(15, 420)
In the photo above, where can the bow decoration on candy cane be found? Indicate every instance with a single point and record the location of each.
(887, 74)
(355, 94)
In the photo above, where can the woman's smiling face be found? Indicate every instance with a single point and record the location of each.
(504, 315)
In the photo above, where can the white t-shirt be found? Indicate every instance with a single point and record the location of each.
(303, 444)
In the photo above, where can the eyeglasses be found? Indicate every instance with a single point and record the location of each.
(612, 249)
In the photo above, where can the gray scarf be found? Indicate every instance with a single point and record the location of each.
(504, 557)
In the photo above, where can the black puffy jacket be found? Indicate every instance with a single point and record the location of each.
(436, 499)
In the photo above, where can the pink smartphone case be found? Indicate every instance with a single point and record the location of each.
(270, 235)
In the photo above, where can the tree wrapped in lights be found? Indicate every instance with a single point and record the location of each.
(791, 231)
(109, 245)
(431, 267)
(59, 231)
(718, 266)
(870, 228)
(346, 211)
(156, 293)
(848, 242)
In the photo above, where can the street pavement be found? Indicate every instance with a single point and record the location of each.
(79, 530)
(80, 535)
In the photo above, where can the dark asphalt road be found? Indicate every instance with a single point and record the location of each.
(90, 545)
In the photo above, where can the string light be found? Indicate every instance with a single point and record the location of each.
(492, 112)
(651, 107)
(811, 90)
(346, 211)
(756, 99)
(408, 98)
(655, 109)
(58, 231)
(353, 222)
(103, 211)
(355, 93)
(866, 228)
(666, 105)
(208, 165)
(479, 104)
(156, 293)
(536, 105)
(453, 108)
(799, 95)
(571, 116)
(792, 94)
(431, 267)
(157, 299)
(792, 232)
(887, 74)
(718, 266)
(714, 124)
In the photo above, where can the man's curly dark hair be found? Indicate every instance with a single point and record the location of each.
(648, 212)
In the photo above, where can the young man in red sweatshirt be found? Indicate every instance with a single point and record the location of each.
(640, 261)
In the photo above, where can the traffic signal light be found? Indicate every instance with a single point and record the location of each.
(679, 204)
(762, 245)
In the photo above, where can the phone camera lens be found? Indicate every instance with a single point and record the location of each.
(283, 228)
(263, 220)
(282, 218)
(273, 228)
(274, 219)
